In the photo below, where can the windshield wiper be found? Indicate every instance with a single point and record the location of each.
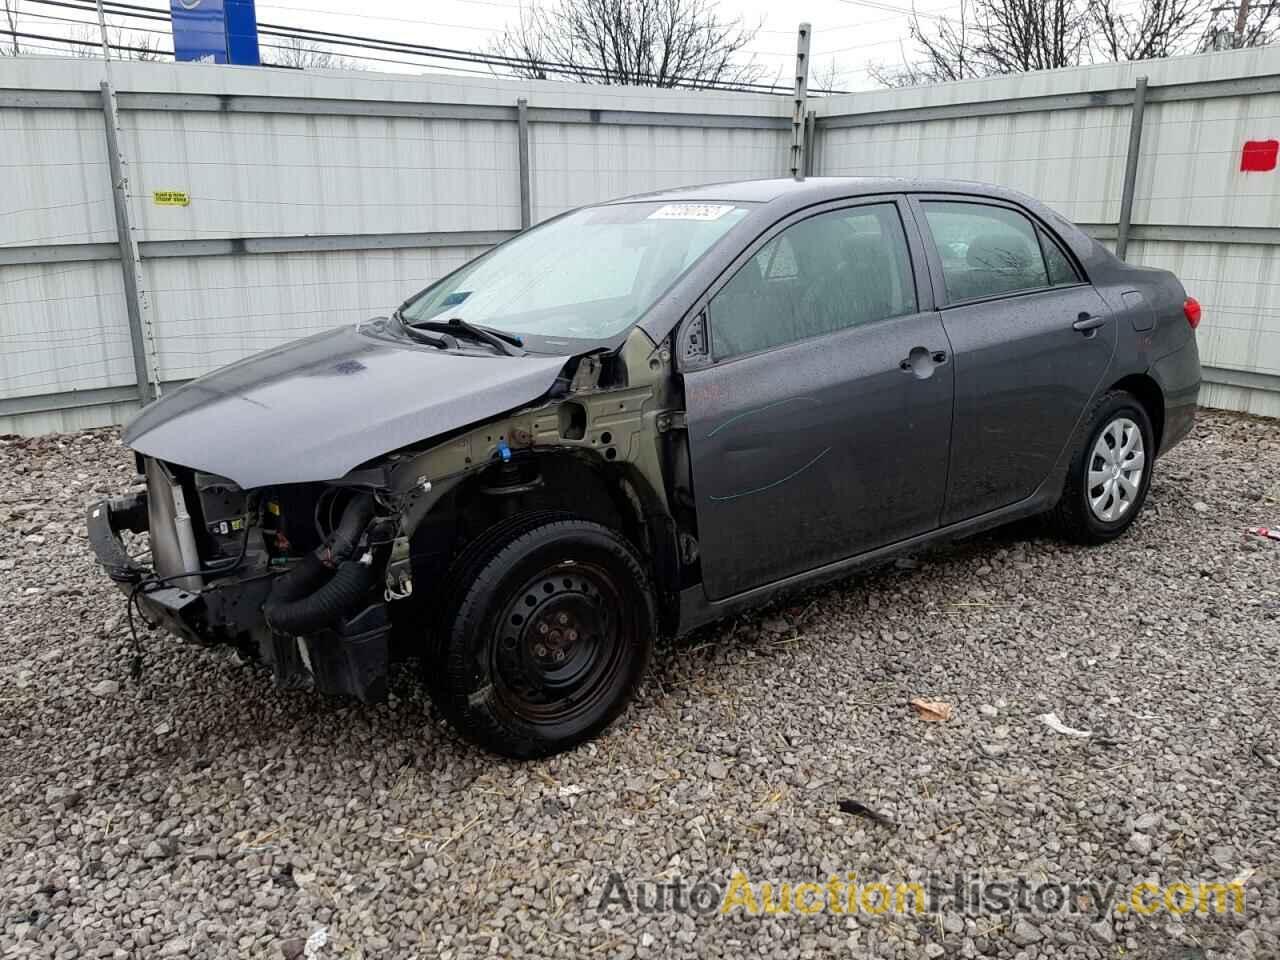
(498, 339)
(438, 342)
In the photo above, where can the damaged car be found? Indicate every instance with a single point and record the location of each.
(642, 416)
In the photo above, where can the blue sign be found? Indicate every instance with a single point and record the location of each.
(215, 31)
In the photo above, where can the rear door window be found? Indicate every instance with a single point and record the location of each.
(986, 251)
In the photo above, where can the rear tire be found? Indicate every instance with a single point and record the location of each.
(544, 638)
(1110, 471)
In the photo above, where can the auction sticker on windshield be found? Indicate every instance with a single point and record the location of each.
(691, 211)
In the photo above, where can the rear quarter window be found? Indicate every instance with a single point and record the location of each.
(1061, 270)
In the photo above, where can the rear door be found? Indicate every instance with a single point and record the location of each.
(820, 423)
(1031, 340)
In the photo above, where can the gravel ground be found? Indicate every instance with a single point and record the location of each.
(201, 813)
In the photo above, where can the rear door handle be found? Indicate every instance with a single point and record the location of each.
(1086, 322)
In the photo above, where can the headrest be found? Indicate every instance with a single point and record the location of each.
(865, 248)
(1006, 252)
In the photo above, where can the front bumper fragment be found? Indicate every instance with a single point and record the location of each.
(348, 658)
(182, 612)
(105, 520)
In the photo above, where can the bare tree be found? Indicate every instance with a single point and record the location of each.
(651, 43)
(825, 78)
(299, 54)
(993, 37)
(986, 38)
(125, 44)
(1156, 28)
(948, 51)
(10, 8)
(1021, 35)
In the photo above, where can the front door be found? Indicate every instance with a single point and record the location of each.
(1031, 337)
(820, 425)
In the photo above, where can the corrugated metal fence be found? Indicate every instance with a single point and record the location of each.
(315, 199)
(1064, 136)
(323, 198)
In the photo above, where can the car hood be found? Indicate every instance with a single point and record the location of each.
(316, 408)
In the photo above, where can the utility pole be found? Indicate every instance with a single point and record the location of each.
(1223, 37)
(1242, 21)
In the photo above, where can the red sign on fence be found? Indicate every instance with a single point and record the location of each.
(1259, 156)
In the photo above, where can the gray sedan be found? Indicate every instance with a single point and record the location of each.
(642, 416)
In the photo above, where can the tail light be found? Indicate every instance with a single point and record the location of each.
(1191, 307)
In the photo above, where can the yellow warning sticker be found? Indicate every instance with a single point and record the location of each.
(171, 198)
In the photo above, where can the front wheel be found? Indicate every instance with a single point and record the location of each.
(1110, 471)
(546, 639)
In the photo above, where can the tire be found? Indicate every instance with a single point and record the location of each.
(1102, 496)
(545, 637)
(462, 573)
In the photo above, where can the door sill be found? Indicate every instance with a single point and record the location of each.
(697, 609)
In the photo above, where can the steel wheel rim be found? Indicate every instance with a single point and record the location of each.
(1116, 467)
(559, 644)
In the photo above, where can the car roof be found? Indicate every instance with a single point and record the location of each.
(814, 189)
(779, 198)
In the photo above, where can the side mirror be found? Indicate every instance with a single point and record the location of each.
(693, 346)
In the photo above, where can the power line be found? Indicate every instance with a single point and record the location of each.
(360, 41)
(349, 15)
(367, 16)
(86, 23)
(454, 56)
(96, 44)
(137, 29)
(892, 8)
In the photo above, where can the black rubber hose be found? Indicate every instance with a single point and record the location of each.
(325, 606)
(291, 606)
(355, 518)
(303, 579)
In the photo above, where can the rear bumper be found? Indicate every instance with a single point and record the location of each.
(1178, 375)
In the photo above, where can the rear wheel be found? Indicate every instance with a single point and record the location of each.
(545, 639)
(1110, 471)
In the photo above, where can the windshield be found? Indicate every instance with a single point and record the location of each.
(585, 276)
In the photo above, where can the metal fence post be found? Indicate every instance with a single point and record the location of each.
(522, 141)
(801, 96)
(810, 138)
(1131, 167)
(144, 369)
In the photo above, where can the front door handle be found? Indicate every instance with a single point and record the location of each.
(1086, 322)
(921, 362)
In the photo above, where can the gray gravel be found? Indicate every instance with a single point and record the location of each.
(201, 813)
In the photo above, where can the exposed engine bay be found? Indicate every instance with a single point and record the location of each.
(316, 580)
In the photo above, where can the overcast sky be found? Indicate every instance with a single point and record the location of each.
(846, 32)
(849, 33)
